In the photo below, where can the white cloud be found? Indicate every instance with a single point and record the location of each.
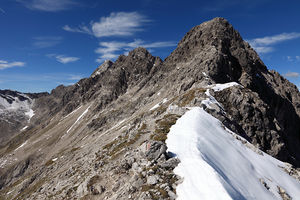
(289, 58)
(2, 10)
(48, 5)
(80, 29)
(293, 58)
(5, 64)
(62, 58)
(263, 49)
(271, 40)
(75, 77)
(292, 74)
(46, 41)
(264, 44)
(116, 24)
(111, 50)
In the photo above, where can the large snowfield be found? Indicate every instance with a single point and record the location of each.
(215, 165)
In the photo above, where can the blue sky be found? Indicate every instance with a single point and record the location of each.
(44, 43)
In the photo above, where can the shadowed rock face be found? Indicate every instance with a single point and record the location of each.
(264, 109)
(267, 110)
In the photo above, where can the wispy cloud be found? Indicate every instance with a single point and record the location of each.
(5, 64)
(80, 29)
(110, 50)
(48, 5)
(116, 24)
(1, 10)
(75, 77)
(293, 58)
(265, 44)
(292, 74)
(46, 41)
(63, 59)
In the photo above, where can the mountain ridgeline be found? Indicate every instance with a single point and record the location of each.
(82, 133)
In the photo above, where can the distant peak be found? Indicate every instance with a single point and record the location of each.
(139, 52)
(103, 67)
(218, 20)
(106, 64)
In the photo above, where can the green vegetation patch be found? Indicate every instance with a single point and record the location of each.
(163, 127)
(189, 96)
(116, 147)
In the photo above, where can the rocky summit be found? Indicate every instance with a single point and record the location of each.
(105, 136)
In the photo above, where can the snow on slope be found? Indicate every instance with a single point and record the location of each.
(210, 101)
(159, 104)
(223, 86)
(78, 119)
(16, 105)
(215, 165)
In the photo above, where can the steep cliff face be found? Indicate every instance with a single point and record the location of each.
(109, 130)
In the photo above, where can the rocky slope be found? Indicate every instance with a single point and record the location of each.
(104, 137)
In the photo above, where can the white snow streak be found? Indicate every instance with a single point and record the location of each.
(159, 104)
(71, 112)
(22, 145)
(24, 128)
(54, 159)
(223, 86)
(78, 119)
(210, 101)
(30, 114)
(215, 165)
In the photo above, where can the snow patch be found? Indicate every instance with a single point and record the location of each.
(22, 145)
(9, 192)
(30, 114)
(78, 119)
(71, 112)
(54, 159)
(16, 105)
(215, 165)
(159, 104)
(210, 101)
(118, 124)
(219, 87)
(24, 128)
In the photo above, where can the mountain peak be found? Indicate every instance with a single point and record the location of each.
(216, 20)
(103, 67)
(219, 50)
(140, 52)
